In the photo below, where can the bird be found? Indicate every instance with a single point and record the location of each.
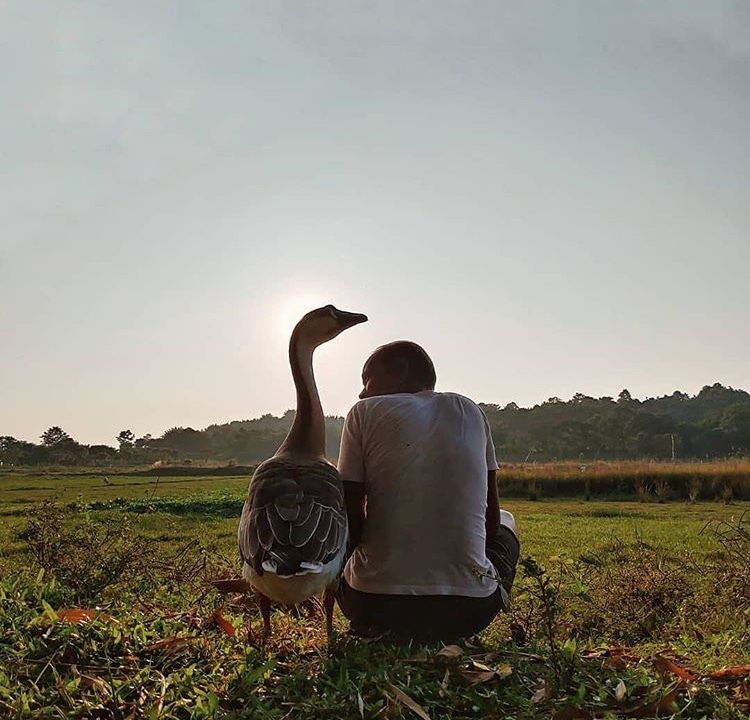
(293, 533)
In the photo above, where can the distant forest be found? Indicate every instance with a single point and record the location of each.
(715, 423)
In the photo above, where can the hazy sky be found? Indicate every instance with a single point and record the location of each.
(551, 197)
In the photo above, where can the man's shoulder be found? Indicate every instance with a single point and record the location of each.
(462, 400)
(386, 403)
(380, 402)
(458, 398)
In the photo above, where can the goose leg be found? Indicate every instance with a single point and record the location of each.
(265, 611)
(329, 600)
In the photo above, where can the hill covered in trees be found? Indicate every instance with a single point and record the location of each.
(715, 423)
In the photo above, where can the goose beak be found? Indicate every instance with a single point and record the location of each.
(349, 319)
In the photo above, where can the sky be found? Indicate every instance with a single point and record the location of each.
(550, 197)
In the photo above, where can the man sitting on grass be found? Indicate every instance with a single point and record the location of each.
(433, 556)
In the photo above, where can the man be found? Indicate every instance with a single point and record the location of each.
(429, 541)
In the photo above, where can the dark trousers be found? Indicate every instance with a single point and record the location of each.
(435, 617)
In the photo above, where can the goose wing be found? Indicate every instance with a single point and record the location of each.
(294, 518)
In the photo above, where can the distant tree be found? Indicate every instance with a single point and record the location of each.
(125, 439)
(624, 397)
(187, 441)
(101, 454)
(53, 436)
(14, 451)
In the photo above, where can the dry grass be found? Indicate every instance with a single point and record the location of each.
(725, 480)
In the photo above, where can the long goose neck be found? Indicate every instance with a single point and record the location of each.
(307, 435)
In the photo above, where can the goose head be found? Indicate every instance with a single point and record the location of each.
(325, 323)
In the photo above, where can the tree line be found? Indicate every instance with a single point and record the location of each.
(715, 423)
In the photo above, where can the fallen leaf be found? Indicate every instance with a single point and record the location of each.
(730, 674)
(478, 676)
(540, 694)
(451, 651)
(404, 699)
(481, 666)
(232, 585)
(592, 654)
(223, 623)
(444, 683)
(76, 615)
(360, 705)
(620, 691)
(665, 665)
(504, 671)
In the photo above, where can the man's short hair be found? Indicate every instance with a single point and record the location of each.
(420, 369)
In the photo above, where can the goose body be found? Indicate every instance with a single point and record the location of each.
(293, 529)
(293, 534)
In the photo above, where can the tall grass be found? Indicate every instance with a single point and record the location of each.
(724, 480)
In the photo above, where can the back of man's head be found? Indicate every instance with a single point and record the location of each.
(410, 361)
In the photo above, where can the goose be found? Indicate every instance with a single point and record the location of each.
(293, 530)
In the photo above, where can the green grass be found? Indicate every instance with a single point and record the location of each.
(653, 577)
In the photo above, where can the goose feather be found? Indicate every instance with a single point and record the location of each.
(292, 530)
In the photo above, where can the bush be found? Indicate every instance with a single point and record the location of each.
(86, 556)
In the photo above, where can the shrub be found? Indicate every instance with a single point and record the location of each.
(85, 555)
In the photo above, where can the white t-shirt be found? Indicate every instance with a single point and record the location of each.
(424, 459)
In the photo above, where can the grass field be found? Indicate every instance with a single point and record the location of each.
(621, 609)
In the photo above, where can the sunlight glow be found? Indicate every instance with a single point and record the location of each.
(286, 312)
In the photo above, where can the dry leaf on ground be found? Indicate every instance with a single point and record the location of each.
(451, 651)
(223, 623)
(665, 665)
(540, 694)
(478, 676)
(730, 674)
(620, 691)
(76, 615)
(404, 699)
(478, 672)
(444, 683)
(360, 705)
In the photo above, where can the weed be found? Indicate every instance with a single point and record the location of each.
(634, 592)
(694, 489)
(661, 489)
(87, 555)
(732, 567)
(643, 489)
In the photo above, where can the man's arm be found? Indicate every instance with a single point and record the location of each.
(492, 517)
(354, 495)
(352, 470)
